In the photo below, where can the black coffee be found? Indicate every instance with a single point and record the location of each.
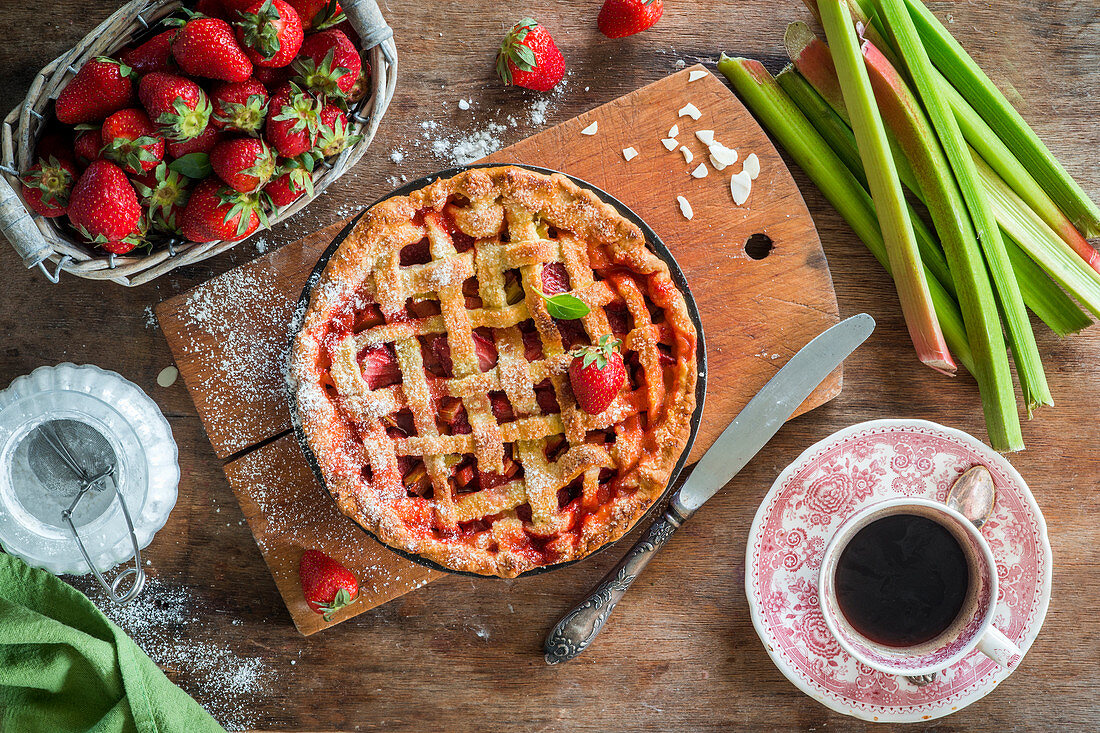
(902, 580)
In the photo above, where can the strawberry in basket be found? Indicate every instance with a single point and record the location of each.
(270, 32)
(104, 208)
(47, 185)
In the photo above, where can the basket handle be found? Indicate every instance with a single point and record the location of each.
(366, 18)
(18, 226)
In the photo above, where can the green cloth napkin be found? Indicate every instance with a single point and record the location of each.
(65, 667)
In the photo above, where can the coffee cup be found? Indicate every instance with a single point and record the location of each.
(972, 626)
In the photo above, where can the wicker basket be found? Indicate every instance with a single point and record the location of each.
(40, 240)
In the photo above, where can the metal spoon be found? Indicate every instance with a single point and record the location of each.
(972, 495)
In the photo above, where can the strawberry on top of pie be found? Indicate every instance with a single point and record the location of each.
(432, 381)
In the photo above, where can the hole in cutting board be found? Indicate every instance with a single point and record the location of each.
(759, 246)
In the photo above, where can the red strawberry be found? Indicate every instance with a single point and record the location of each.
(213, 9)
(554, 279)
(244, 163)
(596, 375)
(206, 47)
(620, 18)
(47, 185)
(328, 63)
(104, 208)
(334, 135)
(102, 86)
(204, 143)
(53, 144)
(529, 58)
(327, 585)
(317, 15)
(175, 103)
(272, 78)
(132, 141)
(293, 121)
(216, 212)
(271, 33)
(380, 368)
(294, 179)
(485, 349)
(240, 105)
(87, 142)
(164, 193)
(153, 55)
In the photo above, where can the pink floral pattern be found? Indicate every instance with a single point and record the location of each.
(810, 500)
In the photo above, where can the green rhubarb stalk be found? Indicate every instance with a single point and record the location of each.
(1025, 352)
(842, 140)
(967, 77)
(1041, 242)
(982, 137)
(885, 187)
(797, 136)
(1040, 293)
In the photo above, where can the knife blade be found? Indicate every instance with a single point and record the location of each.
(772, 406)
(743, 438)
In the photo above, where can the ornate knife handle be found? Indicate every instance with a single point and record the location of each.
(579, 627)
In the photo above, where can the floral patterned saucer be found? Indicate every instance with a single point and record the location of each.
(812, 498)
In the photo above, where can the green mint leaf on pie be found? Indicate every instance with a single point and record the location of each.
(193, 165)
(564, 306)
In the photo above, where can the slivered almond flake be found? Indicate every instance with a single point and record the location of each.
(696, 75)
(591, 129)
(700, 172)
(630, 153)
(721, 156)
(705, 136)
(690, 110)
(685, 207)
(740, 187)
(752, 166)
(688, 157)
(674, 131)
(669, 143)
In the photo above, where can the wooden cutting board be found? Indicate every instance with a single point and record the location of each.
(229, 335)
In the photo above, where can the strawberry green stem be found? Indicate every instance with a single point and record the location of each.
(885, 187)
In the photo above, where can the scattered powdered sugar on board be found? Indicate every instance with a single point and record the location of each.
(167, 623)
(237, 340)
(150, 318)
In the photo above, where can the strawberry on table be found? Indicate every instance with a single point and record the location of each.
(596, 374)
(294, 179)
(619, 18)
(293, 121)
(176, 103)
(317, 15)
(244, 163)
(153, 55)
(270, 32)
(47, 185)
(164, 193)
(328, 586)
(530, 58)
(240, 105)
(328, 63)
(104, 208)
(131, 140)
(207, 47)
(87, 143)
(102, 86)
(217, 212)
(334, 135)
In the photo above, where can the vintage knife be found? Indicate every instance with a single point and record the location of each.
(753, 427)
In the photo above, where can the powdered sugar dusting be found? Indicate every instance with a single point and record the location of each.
(166, 621)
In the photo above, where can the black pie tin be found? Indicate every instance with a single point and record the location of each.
(655, 244)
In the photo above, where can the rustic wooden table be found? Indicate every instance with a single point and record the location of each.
(680, 653)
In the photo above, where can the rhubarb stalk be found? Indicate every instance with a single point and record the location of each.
(797, 136)
(885, 187)
(1029, 365)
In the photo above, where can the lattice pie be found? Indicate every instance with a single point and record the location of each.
(431, 378)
